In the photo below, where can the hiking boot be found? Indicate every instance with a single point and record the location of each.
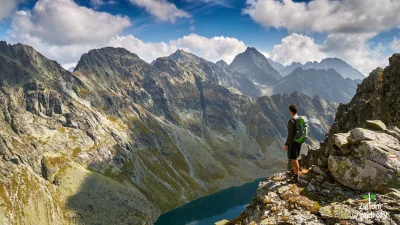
(294, 179)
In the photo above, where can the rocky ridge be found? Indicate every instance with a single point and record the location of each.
(354, 177)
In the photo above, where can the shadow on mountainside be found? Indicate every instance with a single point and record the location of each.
(102, 200)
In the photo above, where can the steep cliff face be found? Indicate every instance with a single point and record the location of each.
(354, 177)
(121, 137)
(376, 98)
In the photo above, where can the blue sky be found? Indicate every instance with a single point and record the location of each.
(362, 32)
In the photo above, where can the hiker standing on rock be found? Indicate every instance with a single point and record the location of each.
(297, 134)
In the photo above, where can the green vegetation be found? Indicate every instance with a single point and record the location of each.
(76, 151)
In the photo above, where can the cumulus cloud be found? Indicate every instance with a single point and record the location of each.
(161, 9)
(346, 16)
(63, 54)
(148, 51)
(212, 49)
(354, 49)
(7, 7)
(63, 22)
(296, 48)
(91, 29)
(63, 30)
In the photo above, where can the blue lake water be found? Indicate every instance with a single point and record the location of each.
(225, 204)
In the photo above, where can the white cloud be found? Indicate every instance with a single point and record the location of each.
(395, 45)
(7, 7)
(148, 51)
(62, 30)
(212, 49)
(346, 16)
(63, 22)
(354, 49)
(161, 9)
(63, 54)
(296, 48)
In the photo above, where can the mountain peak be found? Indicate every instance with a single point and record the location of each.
(106, 55)
(255, 66)
(222, 63)
(181, 52)
(182, 56)
(111, 64)
(117, 51)
(254, 51)
(35, 65)
(251, 49)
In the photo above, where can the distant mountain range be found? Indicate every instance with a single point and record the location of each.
(339, 65)
(328, 84)
(252, 74)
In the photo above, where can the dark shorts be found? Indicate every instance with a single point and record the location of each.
(294, 150)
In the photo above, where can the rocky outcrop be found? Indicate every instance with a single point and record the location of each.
(362, 159)
(359, 163)
(354, 177)
(366, 160)
(42, 101)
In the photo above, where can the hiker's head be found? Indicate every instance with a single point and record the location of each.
(293, 109)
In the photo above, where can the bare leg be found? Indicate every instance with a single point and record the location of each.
(296, 167)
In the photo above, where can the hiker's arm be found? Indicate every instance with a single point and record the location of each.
(291, 127)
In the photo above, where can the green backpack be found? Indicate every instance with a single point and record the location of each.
(301, 134)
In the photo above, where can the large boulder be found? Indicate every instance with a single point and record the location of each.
(373, 163)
